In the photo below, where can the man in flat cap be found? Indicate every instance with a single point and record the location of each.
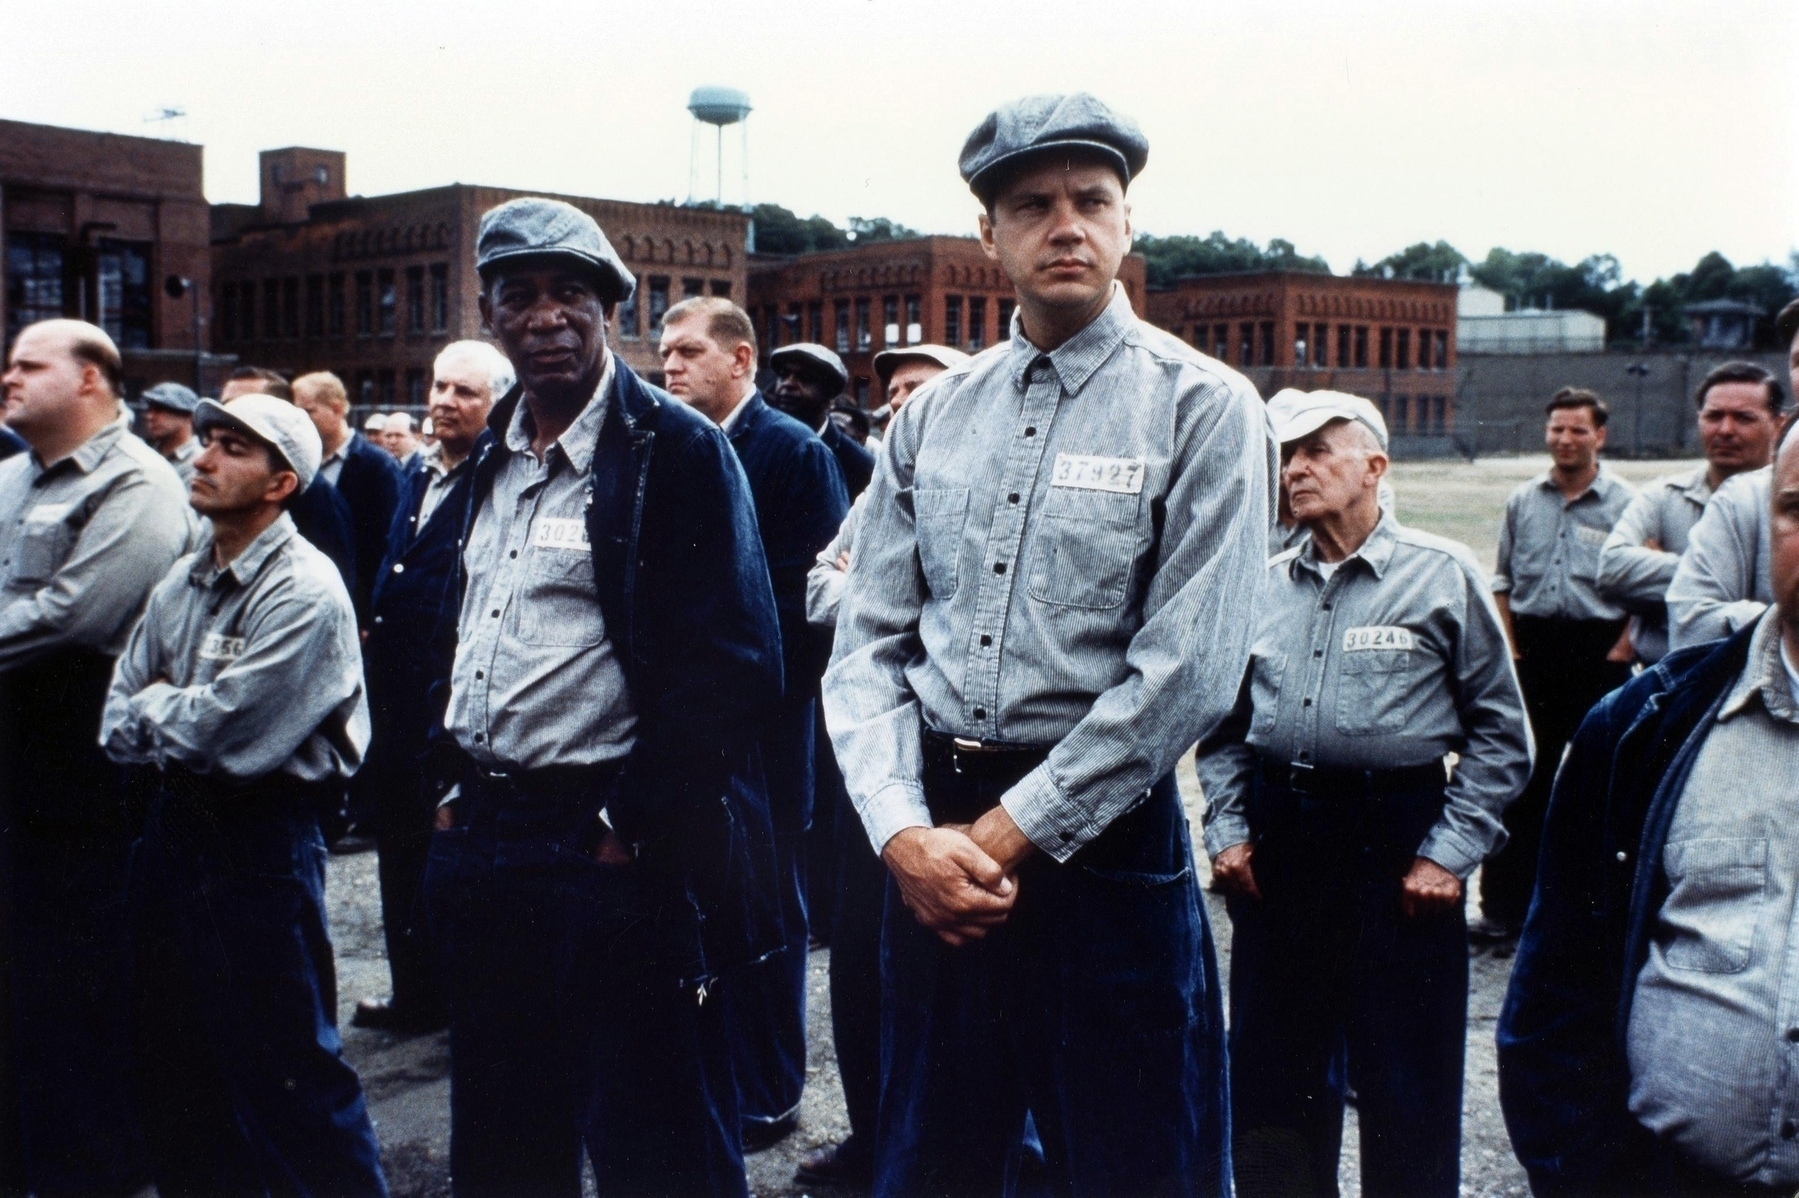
(1051, 601)
(169, 426)
(1339, 837)
(808, 379)
(241, 692)
(617, 647)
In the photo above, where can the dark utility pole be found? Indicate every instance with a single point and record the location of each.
(1639, 371)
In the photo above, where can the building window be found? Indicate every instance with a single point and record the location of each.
(440, 297)
(952, 319)
(1402, 357)
(1343, 335)
(1386, 349)
(247, 321)
(1301, 346)
(123, 288)
(914, 322)
(815, 322)
(227, 312)
(627, 313)
(977, 321)
(1439, 415)
(841, 309)
(415, 388)
(864, 336)
(271, 309)
(721, 288)
(771, 326)
(290, 308)
(1246, 344)
(34, 279)
(1442, 359)
(1005, 317)
(365, 387)
(334, 304)
(1361, 347)
(1321, 343)
(388, 299)
(861, 391)
(796, 330)
(658, 306)
(890, 328)
(1221, 342)
(315, 305)
(365, 303)
(415, 299)
(384, 386)
(1267, 343)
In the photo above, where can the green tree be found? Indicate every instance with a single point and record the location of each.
(1183, 255)
(865, 229)
(1439, 263)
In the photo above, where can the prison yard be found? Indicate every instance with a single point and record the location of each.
(407, 1078)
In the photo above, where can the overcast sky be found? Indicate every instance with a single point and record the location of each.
(1653, 130)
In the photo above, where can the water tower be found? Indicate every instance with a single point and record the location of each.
(718, 107)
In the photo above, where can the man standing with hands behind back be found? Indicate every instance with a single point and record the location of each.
(1050, 603)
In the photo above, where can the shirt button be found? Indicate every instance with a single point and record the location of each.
(1308, 703)
(1623, 856)
(1318, 653)
(480, 674)
(378, 619)
(399, 567)
(1029, 431)
(980, 713)
(514, 553)
(1012, 498)
(1788, 1129)
(1793, 1035)
(999, 567)
(985, 640)
(1327, 607)
(496, 613)
(479, 737)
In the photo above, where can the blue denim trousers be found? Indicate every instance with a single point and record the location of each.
(245, 1087)
(1332, 987)
(569, 1031)
(1095, 1007)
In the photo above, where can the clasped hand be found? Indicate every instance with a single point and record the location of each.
(959, 880)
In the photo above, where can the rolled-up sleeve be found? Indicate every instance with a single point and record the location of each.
(1225, 764)
(1630, 573)
(123, 734)
(870, 708)
(1184, 664)
(128, 543)
(824, 583)
(1502, 565)
(1720, 584)
(1495, 758)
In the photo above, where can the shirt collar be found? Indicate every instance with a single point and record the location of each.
(1376, 551)
(1764, 676)
(244, 566)
(578, 441)
(1602, 483)
(1699, 487)
(736, 417)
(1076, 359)
(91, 452)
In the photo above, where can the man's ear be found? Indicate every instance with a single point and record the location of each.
(984, 223)
(1599, 442)
(1130, 230)
(486, 306)
(281, 485)
(745, 357)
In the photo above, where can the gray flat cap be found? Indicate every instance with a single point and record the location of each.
(815, 354)
(173, 397)
(1028, 127)
(535, 227)
(275, 422)
(888, 360)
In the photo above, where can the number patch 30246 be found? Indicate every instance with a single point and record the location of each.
(1378, 636)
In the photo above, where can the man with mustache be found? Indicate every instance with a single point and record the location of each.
(1050, 603)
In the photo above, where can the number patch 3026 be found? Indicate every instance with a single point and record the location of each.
(1089, 472)
(1377, 636)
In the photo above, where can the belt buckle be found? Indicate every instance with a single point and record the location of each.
(1299, 777)
(958, 746)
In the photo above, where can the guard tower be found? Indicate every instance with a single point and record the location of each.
(718, 107)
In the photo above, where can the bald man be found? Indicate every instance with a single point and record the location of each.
(363, 473)
(90, 520)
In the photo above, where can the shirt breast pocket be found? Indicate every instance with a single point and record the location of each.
(1584, 542)
(1265, 674)
(1717, 887)
(559, 605)
(1372, 686)
(39, 552)
(1084, 546)
(939, 516)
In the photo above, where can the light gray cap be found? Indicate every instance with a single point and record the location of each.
(816, 354)
(1299, 414)
(172, 397)
(1035, 125)
(533, 227)
(275, 422)
(888, 360)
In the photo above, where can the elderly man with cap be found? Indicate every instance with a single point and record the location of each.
(169, 426)
(403, 662)
(808, 379)
(708, 350)
(617, 651)
(1054, 581)
(241, 691)
(90, 520)
(1333, 829)
(362, 471)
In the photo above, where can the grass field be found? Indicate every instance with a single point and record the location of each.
(1466, 500)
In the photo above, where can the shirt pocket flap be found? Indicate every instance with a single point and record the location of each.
(1681, 858)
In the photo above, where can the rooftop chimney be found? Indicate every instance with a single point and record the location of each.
(295, 179)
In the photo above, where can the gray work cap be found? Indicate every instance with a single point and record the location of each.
(1299, 414)
(1035, 125)
(888, 360)
(535, 227)
(172, 397)
(275, 422)
(815, 354)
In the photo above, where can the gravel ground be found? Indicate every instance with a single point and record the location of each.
(407, 1078)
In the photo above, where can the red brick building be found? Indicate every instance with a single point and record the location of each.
(93, 223)
(861, 300)
(1389, 340)
(372, 288)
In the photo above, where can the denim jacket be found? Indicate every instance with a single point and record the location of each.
(684, 589)
(1564, 1076)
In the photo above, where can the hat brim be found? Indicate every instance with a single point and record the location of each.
(211, 414)
(149, 402)
(604, 273)
(986, 182)
(1308, 422)
(789, 354)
